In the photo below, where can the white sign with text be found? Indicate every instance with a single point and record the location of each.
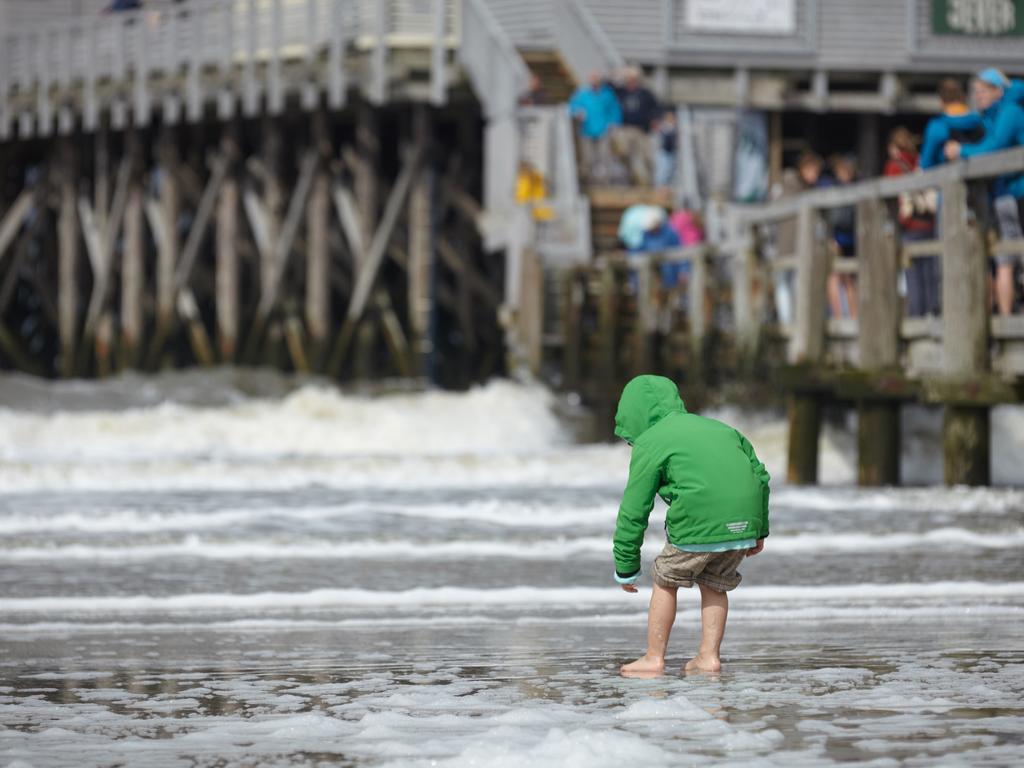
(773, 17)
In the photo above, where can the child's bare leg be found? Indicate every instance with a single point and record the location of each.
(659, 625)
(714, 610)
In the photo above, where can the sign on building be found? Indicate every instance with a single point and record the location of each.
(773, 17)
(985, 18)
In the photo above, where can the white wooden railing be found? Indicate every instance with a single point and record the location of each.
(582, 42)
(499, 76)
(548, 146)
(185, 54)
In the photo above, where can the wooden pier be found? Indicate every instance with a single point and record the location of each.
(328, 187)
(720, 327)
(298, 183)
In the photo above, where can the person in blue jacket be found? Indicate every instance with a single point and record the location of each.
(1003, 118)
(596, 108)
(958, 122)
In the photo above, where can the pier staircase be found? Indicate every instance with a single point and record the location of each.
(556, 81)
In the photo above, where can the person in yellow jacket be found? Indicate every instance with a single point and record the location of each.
(532, 191)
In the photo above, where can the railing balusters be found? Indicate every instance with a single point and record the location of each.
(275, 87)
(90, 105)
(438, 74)
(379, 60)
(141, 72)
(335, 58)
(250, 95)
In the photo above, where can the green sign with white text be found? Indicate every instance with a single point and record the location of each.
(978, 18)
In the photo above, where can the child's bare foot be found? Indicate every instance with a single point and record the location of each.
(645, 666)
(703, 664)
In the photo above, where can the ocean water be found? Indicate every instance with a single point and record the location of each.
(235, 569)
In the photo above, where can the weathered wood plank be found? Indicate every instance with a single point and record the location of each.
(13, 219)
(367, 181)
(807, 345)
(318, 307)
(878, 423)
(132, 277)
(286, 236)
(808, 341)
(169, 245)
(421, 249)
(226, 279)
(367, 272)
(965, 340)
(67, 267)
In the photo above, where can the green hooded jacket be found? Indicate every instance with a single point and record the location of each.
(707, 472)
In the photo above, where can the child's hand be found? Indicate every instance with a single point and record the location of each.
(754, 550)
(629, 588)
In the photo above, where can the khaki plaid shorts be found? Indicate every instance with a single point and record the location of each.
(717, 570)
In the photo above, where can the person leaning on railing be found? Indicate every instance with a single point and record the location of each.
(998, 101)
(958, 122)
(842, 287)
(916, 216)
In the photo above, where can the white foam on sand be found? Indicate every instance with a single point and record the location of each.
(512, 514)
(510, 596)
(500, 417)
(549, 548)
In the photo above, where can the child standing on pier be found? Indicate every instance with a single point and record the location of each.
(717, 495)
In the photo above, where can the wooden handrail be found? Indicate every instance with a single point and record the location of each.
(982, 167)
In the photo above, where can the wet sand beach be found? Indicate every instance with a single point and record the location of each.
(317, 579)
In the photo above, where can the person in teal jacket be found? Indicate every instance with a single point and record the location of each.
(1003, 116)
(596, 109)
(717, 492)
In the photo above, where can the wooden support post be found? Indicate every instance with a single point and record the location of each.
(646, 318)
(101, 231)
(169, 244)
(278, 255)
(804, 433)
(748, 326)
(365, 346)
(367, 182)
(132, 267)
(607, 373)
(878, 421)
(189, 311)
(188, 257)
(573, 332)
(807, 346)
(775, 139)
(965, 328)
(698, 290)
(421, 250)
(367, 272)
(394, 336)
(67, 267)
(531, 309)
(13, 218)
(273, 203)
(296, 350)
(226, 279)
(104, 343)
(318, 293)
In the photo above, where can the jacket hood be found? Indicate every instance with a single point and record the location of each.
(645, 401)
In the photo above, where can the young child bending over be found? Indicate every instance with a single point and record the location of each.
(717, 495)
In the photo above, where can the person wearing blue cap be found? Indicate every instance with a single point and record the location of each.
(1003, 118)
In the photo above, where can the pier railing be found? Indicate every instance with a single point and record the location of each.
(623, 315)
(963, 220)
(179, 56)
(583, 44)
